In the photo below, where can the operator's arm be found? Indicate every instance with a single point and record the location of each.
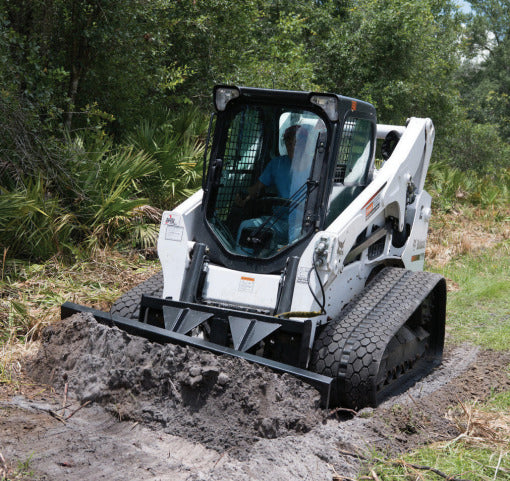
(253, 192)
(265, 180)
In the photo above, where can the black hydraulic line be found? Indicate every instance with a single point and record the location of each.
(314, 268)
(160, 335)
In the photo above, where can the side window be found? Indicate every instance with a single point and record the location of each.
(354, 154)
(241, 159)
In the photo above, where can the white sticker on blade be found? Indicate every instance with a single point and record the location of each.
(246, 284)
(174, 233)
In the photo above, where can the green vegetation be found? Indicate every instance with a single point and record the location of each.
(478, 310)
(480, 453)
(103, 104)
(20, 472)
(33, 293)
(475, 464)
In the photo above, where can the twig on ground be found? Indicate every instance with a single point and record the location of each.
(77, 409)
(63, 407)
(4, 470)
(497, 467)
(58, 417)
(339, 477)
(429, 468)
(64, 402)
(344, 410)
(374, 475)
(354, 455)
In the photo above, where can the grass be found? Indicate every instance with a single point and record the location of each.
(31, 294)
(20, 472)
(471, 249)
(480, 453)
(478, 304)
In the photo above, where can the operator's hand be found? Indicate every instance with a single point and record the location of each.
(240, 201)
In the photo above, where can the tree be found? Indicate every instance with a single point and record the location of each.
(485, 74)
(401, 55)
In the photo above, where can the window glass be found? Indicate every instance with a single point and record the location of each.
(354, 152)
(268, 154)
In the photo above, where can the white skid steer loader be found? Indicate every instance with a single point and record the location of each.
(297, 253)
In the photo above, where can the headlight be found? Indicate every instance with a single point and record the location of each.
(223, 95)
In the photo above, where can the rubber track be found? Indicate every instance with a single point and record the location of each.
(350, 348)
(128, 305)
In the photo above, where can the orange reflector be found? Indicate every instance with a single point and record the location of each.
(354, 105)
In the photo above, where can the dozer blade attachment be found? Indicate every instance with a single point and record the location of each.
(178, 320)
(248, 332)
(163, 336)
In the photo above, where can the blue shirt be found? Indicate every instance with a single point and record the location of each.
(278, 172)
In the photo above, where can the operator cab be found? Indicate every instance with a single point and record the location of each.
(273, 169)
(274, 146)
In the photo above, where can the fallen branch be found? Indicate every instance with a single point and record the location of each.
(58, 417)
(77, 409)
(63, 407)
(64, 401)
(344, 410)
(403, 464)
(428, 468)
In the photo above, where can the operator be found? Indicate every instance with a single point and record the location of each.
(288, 174)
(278, 172)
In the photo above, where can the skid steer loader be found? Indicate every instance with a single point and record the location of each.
(298, 253)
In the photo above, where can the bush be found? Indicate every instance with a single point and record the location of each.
(472, 146)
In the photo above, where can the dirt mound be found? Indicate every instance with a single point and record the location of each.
(221, 402)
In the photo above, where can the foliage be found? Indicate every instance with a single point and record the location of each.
(400, 55)
(477, 309)
(485, 77)
(176, 145)
(472, 146)
(101, 102)
(451, 185)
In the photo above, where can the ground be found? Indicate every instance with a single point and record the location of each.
(87, 402)
(193, 416)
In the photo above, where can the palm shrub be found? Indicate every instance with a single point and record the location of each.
(177, 147)
(35, 223)
(109, 202)
(450, 185)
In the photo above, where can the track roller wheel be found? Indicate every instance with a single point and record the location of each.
(386, 338)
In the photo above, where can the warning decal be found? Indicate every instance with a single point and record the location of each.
(246, 284)
(373, 203)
